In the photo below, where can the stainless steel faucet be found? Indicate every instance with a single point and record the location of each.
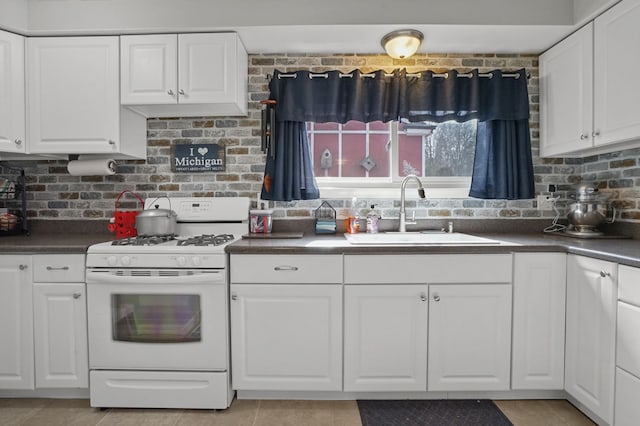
(403, 212)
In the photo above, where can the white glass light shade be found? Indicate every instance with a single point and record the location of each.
(402, 43)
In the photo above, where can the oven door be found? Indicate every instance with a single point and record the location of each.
(157, 320)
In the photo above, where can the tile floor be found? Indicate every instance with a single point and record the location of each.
(63, 412)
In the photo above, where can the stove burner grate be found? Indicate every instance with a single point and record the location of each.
(207, 240)
(143, 241)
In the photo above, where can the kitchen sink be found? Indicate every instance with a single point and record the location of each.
(417, 238)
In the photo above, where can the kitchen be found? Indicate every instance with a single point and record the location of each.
(73, 200)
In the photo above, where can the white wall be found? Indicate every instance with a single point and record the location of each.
(155, 15)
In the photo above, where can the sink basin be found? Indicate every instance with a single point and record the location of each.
(416, 238)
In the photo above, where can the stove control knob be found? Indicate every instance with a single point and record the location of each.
(196, 261)
(126, 260)
(112, 261)
(181, 260)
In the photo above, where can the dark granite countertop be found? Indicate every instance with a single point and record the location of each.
(71, 236)
(624, 251)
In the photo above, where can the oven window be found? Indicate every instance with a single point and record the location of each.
(156, 318)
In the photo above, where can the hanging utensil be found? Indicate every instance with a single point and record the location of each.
(268, 116)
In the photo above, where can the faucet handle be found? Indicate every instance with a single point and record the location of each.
(413, 219)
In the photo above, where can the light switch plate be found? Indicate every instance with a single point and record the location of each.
(545, 202)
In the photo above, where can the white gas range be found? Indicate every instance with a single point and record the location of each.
(158, 310)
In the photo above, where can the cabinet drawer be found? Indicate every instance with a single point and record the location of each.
(296, 269)
(58, 268)
(628, 344)
(436, 268)
(629, 284)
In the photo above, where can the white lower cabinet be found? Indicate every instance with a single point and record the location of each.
(539, 295)
(627, 394)
(60, 321)
(469, 337)
(385, 337)
(16, 323)
(591, 329)
(286, 337)
(60, 315)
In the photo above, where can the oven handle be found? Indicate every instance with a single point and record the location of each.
(105, 277)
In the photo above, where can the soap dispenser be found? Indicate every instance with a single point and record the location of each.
(372, 221)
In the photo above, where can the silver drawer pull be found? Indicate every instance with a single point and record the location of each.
(436, 298)
(22, 267)
(76, 295)
(604, 274)
(57, 268)
(423, 297)
(234, 296)
(285, 268)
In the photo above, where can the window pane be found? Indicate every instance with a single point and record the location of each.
(354, 126)
(326, 126)
(325, 154)
(379, 153)
(353, 152)
(446, 149)
(379, 126)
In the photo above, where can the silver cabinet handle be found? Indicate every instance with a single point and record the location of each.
(181, 92)
(285, 268)
(584, 136)
(436, 298)
(112, 142)
(596, 133)
(605, 274)
(18, 142)
(57, 268)
(423, 297)
(170, 92)
(76, 295)
(234, 296)
(22, 267)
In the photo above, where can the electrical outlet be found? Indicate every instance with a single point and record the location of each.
(545, 202)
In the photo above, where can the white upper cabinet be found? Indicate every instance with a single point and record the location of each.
(588, 87)
(617, 88)
(566, 93)
(12, 93)
(73, 106)
(149, 71)
(184, 74)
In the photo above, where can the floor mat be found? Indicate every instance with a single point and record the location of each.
(440, 412)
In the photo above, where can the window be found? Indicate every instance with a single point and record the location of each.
(371, 159)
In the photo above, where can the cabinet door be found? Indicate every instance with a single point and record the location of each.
(12, 93)
(616, 87)
(566, 94)
(286, 337)
(539, 290)
(60, 324)
(385, 337)
(208, 69)
(591, 327)
(627, 391)
(16, 323)
(72, 95)
(149, 69)
(469, 337)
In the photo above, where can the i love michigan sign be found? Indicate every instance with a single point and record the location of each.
(198, 158)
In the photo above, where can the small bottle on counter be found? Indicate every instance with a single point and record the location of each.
(372, 221)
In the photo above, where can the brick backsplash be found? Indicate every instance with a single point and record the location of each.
(54, 194)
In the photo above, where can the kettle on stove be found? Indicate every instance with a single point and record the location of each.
(589, 210)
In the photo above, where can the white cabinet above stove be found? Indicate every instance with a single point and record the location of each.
(173, 75)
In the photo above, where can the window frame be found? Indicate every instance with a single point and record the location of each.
(377, 187)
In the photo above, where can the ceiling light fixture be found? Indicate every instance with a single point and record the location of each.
(401, 44)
